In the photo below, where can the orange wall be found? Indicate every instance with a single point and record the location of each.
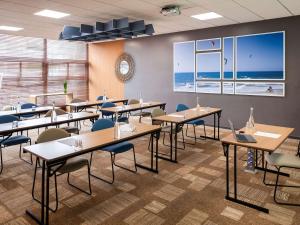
(102, 59)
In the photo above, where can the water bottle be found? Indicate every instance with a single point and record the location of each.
(117, 132)
(18, 108)
(198, 105)
(250, 124)
(53, 114)
(104, 95)
(141, 99)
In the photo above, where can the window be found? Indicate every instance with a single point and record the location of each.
(26, 69)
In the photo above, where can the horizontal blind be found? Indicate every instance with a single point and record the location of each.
(66, 50)
(17, 48)
(35, 65)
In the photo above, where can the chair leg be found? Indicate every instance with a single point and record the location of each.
(1, 166)
(100, 178)
(298, 153)
(275, 190)
(33, 188)
(20, 155)
(135, 169)
(204, 129)
(90, 189)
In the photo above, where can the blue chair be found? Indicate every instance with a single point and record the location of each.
(194, 123)
(121, 118)
(115, 149)
(28, 106)
(100, 98)
(10, 140)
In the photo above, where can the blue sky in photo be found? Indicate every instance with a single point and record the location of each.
(208, 44)
(260, 52)
(228, 54)
(184, 57)
(208, 62)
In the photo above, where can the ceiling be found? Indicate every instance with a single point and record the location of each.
(19, 13)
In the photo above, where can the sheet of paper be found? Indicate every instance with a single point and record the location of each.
(267, 134)
(176, 115)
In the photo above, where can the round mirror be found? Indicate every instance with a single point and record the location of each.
(124, 67)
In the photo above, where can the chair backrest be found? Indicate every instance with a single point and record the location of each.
(100, 98)
(7, 108)
(51, 135)
(155, 113)
(102, 124)
(8, 118)
(28, 105)
(107, 105)
(133, 101)
(58, 112)
(77, 100)
(181, 107)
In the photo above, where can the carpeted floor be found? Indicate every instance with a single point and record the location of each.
(189, 192)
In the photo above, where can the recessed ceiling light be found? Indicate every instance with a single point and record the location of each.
(207, 16)
(9, 28)
(51, 13)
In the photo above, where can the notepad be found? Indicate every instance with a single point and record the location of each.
(267, 134)
(68, 141)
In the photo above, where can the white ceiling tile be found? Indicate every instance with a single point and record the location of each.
(292, 5)
(267, 9)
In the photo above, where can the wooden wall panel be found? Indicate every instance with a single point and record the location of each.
(102, 58)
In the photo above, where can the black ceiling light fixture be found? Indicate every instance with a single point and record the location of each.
(170, 10)
(113, 29)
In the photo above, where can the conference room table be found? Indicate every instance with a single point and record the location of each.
(178, 120)
(133, 107)
(268, 139)
(79, 106)
(7, 129)
(55, 153)
(23, 112)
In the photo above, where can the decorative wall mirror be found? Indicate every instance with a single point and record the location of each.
(125, 67)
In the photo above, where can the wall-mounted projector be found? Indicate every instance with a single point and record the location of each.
(171, 10)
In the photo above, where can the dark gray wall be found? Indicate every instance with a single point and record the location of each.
(154, 67)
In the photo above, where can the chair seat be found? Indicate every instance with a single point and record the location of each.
(123, 119)
(73, 130)
(119, 148)
(279, 159)
(196, 122)
(16, 140)
(73, 164)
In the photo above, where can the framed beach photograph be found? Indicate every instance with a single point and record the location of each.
(208, 87)
(260, 56)
(208, 66)
(228, 58)
(184, 66)
(260, 88)
(228, 88)
(208, 44)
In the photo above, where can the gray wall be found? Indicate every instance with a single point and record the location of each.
(154, 67)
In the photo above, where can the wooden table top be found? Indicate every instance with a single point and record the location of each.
(6, 128)
(263, 143)
(39, 109)
(93, 103)
(62, 148)
(132, 107)
(187, 115)
(50, 94)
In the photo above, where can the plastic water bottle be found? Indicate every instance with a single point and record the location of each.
(18, 108)
(104, 95)
(250, 124)
(198, 105)
(117, 130)
(141, 99)
(53, 114)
